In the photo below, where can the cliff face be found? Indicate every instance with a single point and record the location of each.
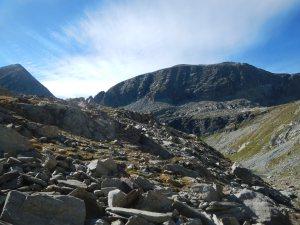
(16, 79)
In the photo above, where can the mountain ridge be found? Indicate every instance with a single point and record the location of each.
(215, 82)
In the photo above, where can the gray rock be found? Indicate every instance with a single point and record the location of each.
(49, 131)
(154, 201)
(117, 222)
(106, 167)
(143, 183)
(39, 209)
(180, 170)
(193, 222)
(170, 222)
(12, 142)
(2, 162)
(104, 191)
(116, 198)
(138, 220)
(115, 182)
(246, 175)
(4, 223)
(61, 190)
(72, 183)
(149, 216)
(190, 212)
(34, 180)
(42, 130)
(227, 220)
(4, 178)
(50, 162)
(262, 207)
(96, 222)
(93, 209)
(206, 192)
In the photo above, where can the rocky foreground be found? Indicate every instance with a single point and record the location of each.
(66, 163)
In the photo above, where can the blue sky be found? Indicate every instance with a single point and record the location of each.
(80, 47)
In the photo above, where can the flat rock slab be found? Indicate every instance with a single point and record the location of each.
(147, 215)
(40, 209)
(72, 183)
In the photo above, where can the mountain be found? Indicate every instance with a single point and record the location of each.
(17, 79)
(193, 83)
(70, 162)
(202, 99)
(269, 144)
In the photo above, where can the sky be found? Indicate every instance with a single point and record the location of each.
(80, 47)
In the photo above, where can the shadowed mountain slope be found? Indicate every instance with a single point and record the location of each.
(17, 79)
(192, 83)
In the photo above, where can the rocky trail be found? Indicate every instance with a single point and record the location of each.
(73, 163)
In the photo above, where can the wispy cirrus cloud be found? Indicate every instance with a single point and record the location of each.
(119, 39)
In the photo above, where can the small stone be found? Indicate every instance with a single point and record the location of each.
(117, 222)
(50, 162)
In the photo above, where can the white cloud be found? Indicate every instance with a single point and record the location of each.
(126, 38)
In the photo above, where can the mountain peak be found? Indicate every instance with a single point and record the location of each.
(17, 79)
(213, 82)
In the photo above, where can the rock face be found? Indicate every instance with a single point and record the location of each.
(17, 79)
(12, 142)
(20, 209)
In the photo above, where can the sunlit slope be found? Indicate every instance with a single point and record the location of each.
(268, 144)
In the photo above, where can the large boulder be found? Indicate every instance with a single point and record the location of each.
(93, 209)
(105, 167)
(12, 142)
(246, 175)
(42, 130)
(154, 201)
(40, 209)
(262, 207)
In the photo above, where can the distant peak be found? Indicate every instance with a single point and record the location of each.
(14, 66)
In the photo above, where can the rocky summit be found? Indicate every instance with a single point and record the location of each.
(71, 162)
(16, 79)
